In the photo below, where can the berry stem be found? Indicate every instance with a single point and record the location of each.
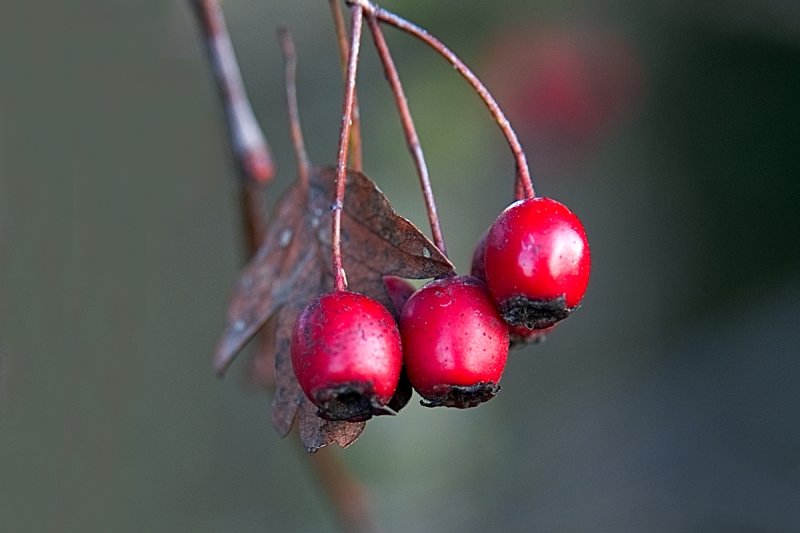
(356, 152)
(298, 143)
(412, 139)
(345, 494)
(523, 172)
(519, 192)
(340, 281)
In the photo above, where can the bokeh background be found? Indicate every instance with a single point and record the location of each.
(669, 402)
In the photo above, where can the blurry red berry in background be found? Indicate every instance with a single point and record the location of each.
(518, 335)
(564, 84)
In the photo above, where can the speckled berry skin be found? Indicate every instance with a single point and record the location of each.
(537, 262)
(455, 344)
(346, 355)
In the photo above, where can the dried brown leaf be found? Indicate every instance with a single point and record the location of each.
(316, 432)
(260, 370)
(292, 267)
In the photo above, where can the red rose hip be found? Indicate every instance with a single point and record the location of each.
(537, 262)
(346, 355)
(455, 343)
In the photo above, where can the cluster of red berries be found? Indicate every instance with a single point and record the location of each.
(529, 272)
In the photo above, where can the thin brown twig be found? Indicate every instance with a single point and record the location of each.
(347, 495)
(356, 157)
(412, 139)
(340, 280)
(298, 143)
(254, 223)
(249, 145)
(523, 172)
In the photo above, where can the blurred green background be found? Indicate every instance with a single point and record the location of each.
(670, 402)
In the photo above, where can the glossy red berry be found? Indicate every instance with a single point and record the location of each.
(346, 355)
(455, 343)
(537, 262)
(517, 335)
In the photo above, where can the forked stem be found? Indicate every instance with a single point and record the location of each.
(412, 139)
(523, 172)
(339, 278)
(356, 151)
(295, 130)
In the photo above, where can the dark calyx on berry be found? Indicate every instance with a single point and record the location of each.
(534, 314)
(461, 397)
(351, 402)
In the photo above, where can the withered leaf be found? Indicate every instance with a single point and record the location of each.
(260, 371)
(293, 266)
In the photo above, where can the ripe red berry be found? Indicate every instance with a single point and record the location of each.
(455, 344)
(346, 355)
(518, 335)
(537, 262)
